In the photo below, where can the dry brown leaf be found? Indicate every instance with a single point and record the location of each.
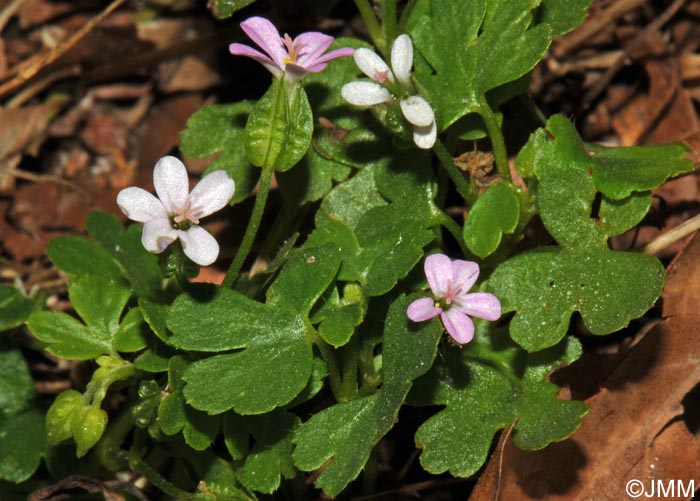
(633, 429)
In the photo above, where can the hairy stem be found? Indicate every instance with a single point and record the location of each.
(455, 174)
(375, 31)
(497, 141)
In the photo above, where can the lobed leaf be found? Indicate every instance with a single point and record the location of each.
(15, 307)
(494, 214)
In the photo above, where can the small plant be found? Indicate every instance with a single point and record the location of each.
(303, 367)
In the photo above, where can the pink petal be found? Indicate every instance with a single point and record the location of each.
(479, 304)
(238, 49)
(265, 35)
(465, 274)
(334, 54)
(199, 245)
(422, 309)
(211, 194)
(157, 235)
(402, 59)
(172, 185)
(438, 271)
(313, 45)
(139, 205)
(458, 325)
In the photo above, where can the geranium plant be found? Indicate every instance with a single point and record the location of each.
(288, 378)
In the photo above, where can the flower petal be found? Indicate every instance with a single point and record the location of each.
(313, 44)
(172, 185)
(265, 35)
(422, 309)
(465, 274)
(372, 65)
(402, 59)
(139, 205)
(417, 111)
(238, 49)
(157, 235)
(425, 137)
(199, 245)
(211, 194)
(438, 271)
(334, 54)
(479, 304)
(365, 93)
(458, 325)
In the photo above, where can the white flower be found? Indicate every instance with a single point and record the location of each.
(414, 108)
(176, 212)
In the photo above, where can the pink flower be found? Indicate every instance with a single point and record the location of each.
(176, 212)
(450, 281)
(293, 58)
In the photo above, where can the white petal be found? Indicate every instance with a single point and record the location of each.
(157, 235)
(372, 65)
(199, 245)
(402, 59)
(417, 111)
(211, 194)
(365, 93)
(139, 205)
(425, 137)
(172, 186)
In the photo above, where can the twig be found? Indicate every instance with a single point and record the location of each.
(10, 11)
(11, 171)
(673, 235)
(27, 69)
(32, 90)
(652, 27)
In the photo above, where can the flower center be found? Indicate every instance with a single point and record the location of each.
(294, 49)
(185, 218)
(381, 76)
(453, 294)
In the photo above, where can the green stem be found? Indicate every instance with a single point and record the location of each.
(389, 25)
(497, 141)
(455, 174)
(350, 353)
(451, 226)
(406, 14)
(163, 484)
(252, 229)
(375, 31)
(331, 363)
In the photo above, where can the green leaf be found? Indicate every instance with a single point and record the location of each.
(494, 213)
(482, 396)
(66, 336)
(22, 443)
(337, 318)
(200, 429)
(139, 266)
(617, 172)
(87, 426)
(235, 435)
(346, 433)
(79, 256)
(145, 409)
(16, 383)
(273, 363)
(130, 334)
(98, 302)
(270, 459)
(483, 45)
(155, 315)
(218, 129)
(59, 417)
(304, 277)
(171, 411)
(546, 286)
(563, 15)
(22, 430)
(15, 308)
(225, 8)
(280, 127)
